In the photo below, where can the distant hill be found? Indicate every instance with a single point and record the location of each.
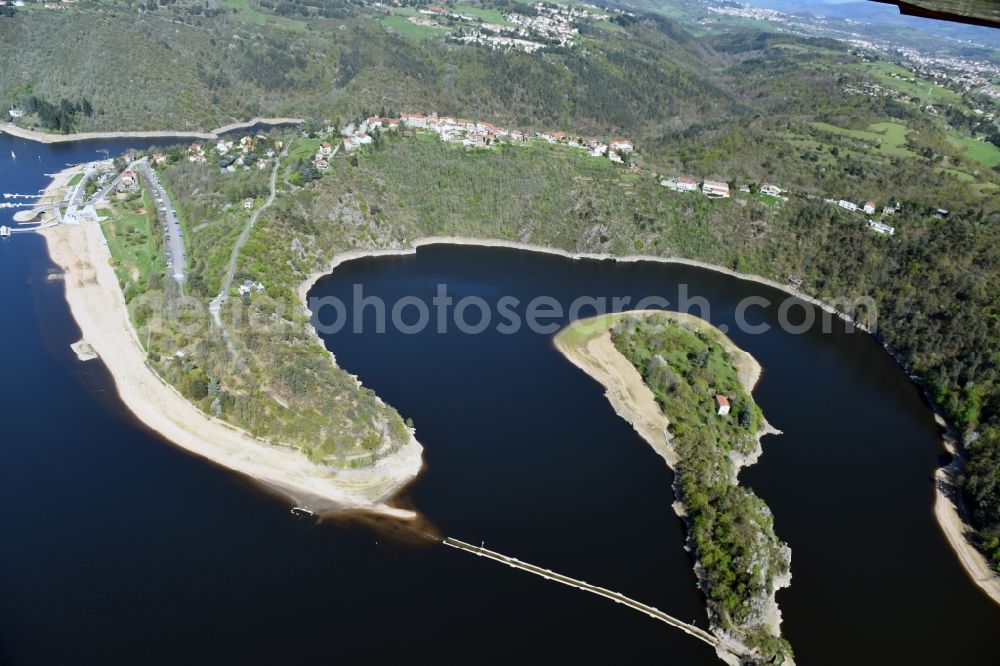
(886, 15)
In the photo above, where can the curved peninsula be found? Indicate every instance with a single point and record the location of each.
(97, 302)
(685, 388)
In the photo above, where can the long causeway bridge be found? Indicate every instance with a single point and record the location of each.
(616, 597)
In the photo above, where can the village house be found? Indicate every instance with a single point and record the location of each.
(770, 190)
(414, 120)
(715, 188)
(325, 148)
(223, 147)
(128, 181)
(249, 286)
(247, 204)
(159, 158)
(722, 405)
(622, 146)
(681, 184)
(881, 228)
(847, 205)
(869, 208)
(322, 165)
(246, 143)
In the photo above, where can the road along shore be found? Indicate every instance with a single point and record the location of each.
(46, 137)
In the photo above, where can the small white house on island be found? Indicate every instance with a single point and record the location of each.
(722, 405)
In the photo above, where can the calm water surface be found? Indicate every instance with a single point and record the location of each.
(119, 549)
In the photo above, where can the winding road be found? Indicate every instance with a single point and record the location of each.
(215, 307)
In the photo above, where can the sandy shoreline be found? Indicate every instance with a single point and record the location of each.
(947, 513)
(45, 137)
(950, 516)
(98, 306)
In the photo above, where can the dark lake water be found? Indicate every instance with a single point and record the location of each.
(120, 549)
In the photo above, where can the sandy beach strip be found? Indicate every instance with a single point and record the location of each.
(98, 306)
(950, 514)
(46, 137)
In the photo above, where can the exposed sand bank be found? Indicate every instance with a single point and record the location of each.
(949, 509)
(45, 137)
(98, 307)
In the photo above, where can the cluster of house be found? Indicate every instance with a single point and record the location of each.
(233, 154)
(710, 188)
(499, 41)
(869, 208)
(550, 24)
(470, 133)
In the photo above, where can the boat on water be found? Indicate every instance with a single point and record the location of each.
(12, 155)
(300, 512)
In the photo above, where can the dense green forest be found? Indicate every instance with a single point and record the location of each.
(740, 104)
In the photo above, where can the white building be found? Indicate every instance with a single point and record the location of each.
(622, 146)
(881, 228)
(869, 208)
(722, 405)
(681, 184)
(250, 286)
(847, 205)
(715, 188)
(771, 190)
